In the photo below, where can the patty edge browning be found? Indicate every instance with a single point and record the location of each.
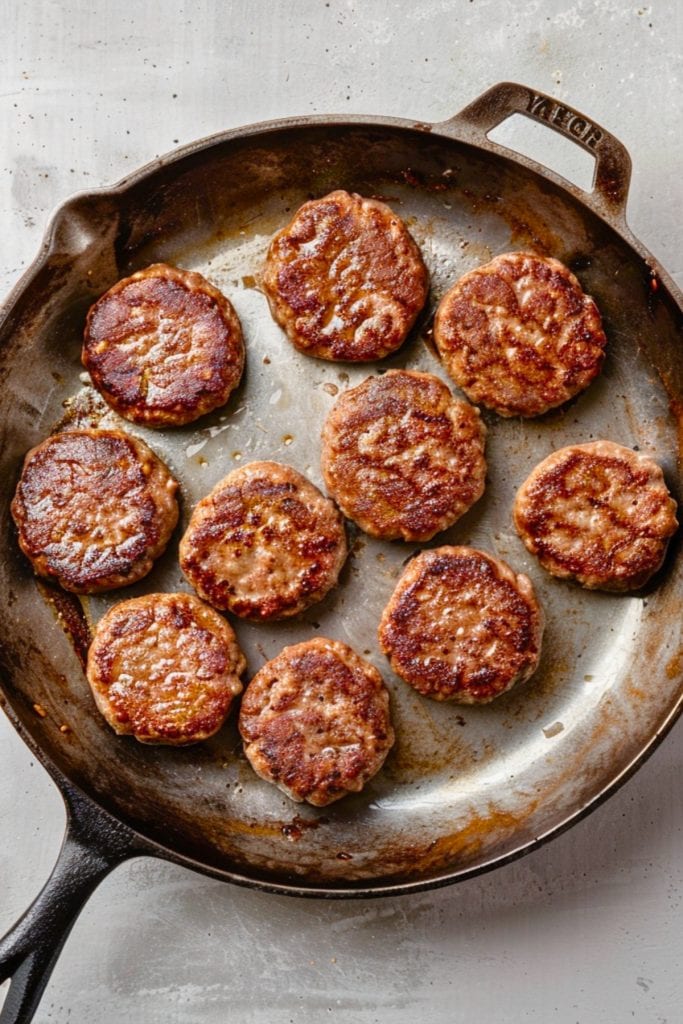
(448, 604)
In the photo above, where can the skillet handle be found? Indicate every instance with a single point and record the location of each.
(612, 161)
(94, 843)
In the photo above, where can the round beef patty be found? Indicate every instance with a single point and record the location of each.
(163, 347)
(462, 626)
(94, 509)
(597, 513)
(264, 544)
(345, 279)
(402, 457)
(519, 335)
(315, 721)
(164, 668)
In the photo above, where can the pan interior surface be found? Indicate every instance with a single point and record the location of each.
(463, 786)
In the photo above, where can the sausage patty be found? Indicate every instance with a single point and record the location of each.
(164, 668)
(94, 508)
(264, 544)
(402, 457)
(315, 721)
(462, 626)
(597, 513)
(519, 335)
(345, 279)
(163, 347)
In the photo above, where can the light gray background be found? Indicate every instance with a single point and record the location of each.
(587, 929)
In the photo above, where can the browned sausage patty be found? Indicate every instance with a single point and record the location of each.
(163, 347)
(94, 508)
(462, 626)
(597, 513)
(164, 668)
(264, 544)
(519, 335)
(402, 457)
(345, 279)
(315, 721)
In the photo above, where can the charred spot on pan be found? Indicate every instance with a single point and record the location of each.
(653, 290)
(612, 185)
(298, 826)
(411, 177)
(580, 262)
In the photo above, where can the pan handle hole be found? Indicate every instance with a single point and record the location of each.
(546, 147)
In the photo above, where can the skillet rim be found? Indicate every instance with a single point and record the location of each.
(455, 129)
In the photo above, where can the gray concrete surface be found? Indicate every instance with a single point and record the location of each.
(587, 929)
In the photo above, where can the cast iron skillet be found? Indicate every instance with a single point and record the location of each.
(465, 790)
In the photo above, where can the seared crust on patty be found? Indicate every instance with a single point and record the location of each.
(163, 347)
(402, 457)
(519, 335)
(164, 668)
(94, 509)
(462, 626)
(597, 513)
(315, 721)
(264, 544)
(345, 279)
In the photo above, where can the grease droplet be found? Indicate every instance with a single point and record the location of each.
(552, 730)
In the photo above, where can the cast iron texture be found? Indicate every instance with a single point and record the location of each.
(465, 790)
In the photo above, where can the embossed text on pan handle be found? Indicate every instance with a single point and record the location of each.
(564, 119)
(612, 161)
